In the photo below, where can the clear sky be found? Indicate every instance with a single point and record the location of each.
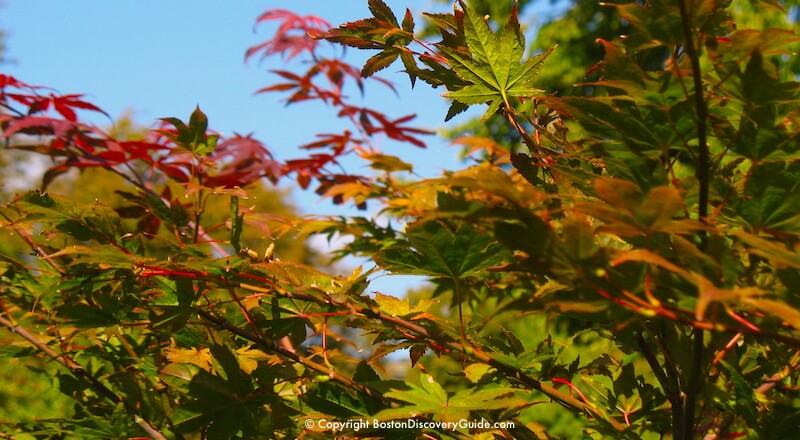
(161, 58)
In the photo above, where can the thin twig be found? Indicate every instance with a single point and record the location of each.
(767, 385)
(440, 340)
(79, 372)
(668, 383)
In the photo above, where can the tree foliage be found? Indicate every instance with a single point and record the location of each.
(631, 274)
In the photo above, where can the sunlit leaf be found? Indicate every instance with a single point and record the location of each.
(401, 307)
(495, 71)
(436, 250)
(476, 372)
(199, 357)
(430, 398)
(249, 358)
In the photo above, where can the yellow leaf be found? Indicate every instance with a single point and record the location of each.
(787, 313)
(708, 293)
(476, 372)
(774, 251)
(493, 180)
(350, 190)
(422, 199)
(476, 143)
(629, 212)
(387, 163)
(401, 307)
(235, 191)
(619, 193)
(201, 358)
(248, 358)
(251, 302)
(645, 256)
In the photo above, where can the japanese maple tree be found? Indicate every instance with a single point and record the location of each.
(628, 269)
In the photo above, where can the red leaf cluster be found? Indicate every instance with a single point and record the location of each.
(44, 121)
(326, 81)
(48, 124)
(293, 36)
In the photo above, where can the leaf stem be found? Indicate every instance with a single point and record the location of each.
(459, 297)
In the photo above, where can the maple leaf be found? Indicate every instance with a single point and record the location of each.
(430, 398)
(248, 358)
(9, 81)
(382, 32)
(243, 160)
(202, 358)
(495, 71)
(436, 250)
(376, 122)
(293, 35)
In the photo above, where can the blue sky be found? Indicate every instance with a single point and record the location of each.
(161, 58)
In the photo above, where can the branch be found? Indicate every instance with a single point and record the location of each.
(34, 247)
(511, 372)
(767, 385)
(293, 356)
(466, 349)
(79, 372)
(703, 162)
(670, 389)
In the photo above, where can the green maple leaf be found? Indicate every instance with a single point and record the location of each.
(435, 250)
(430, 398)
(495, 71)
